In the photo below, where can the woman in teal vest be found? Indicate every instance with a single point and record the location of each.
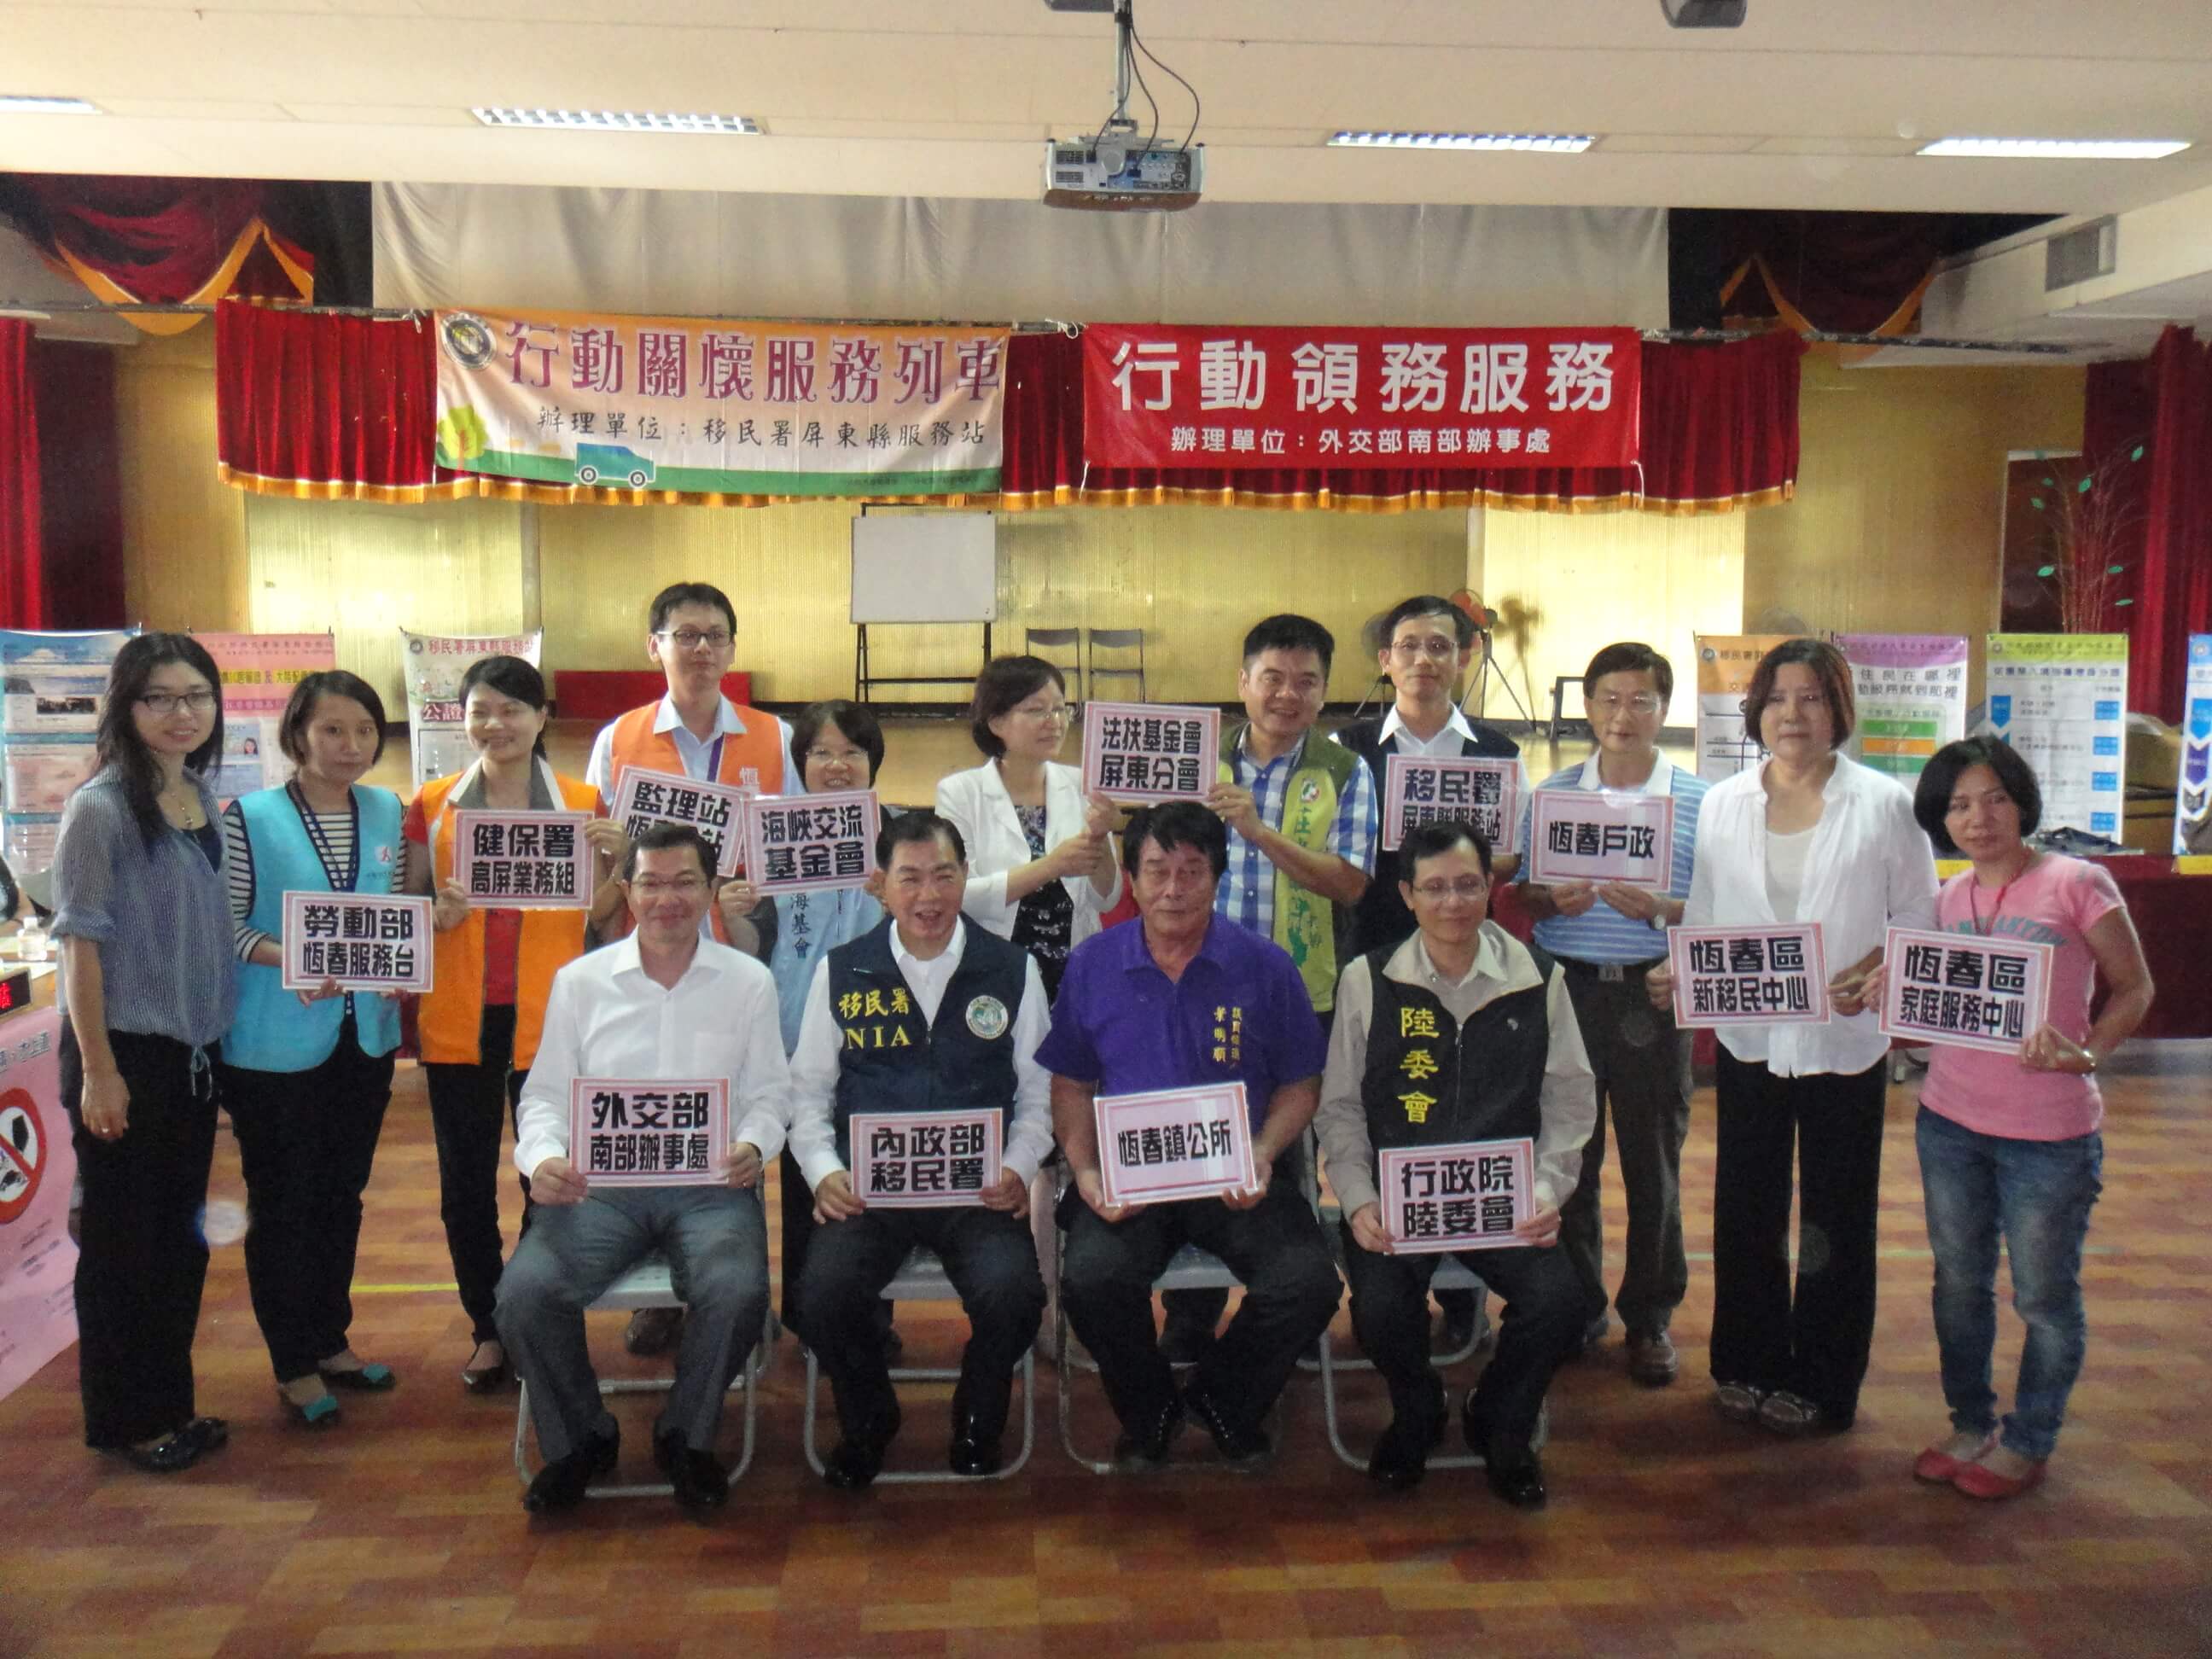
(306, 1075)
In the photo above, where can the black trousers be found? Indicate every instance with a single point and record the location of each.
(992, 1261)
(1643, 1067)
(142, 1259)
(471, 1107)
(1547, 1299)
(1815, 1344)
(306, 1142)
(1277, 1251)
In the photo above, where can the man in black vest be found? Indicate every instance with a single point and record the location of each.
(922, 1014)
(1460, 1033)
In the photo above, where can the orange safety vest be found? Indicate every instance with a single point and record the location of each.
(450, 1018)
(752, 759)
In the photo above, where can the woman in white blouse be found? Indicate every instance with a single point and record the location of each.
(1808, 835)
(1041, 863)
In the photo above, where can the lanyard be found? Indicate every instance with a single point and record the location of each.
(340, 880)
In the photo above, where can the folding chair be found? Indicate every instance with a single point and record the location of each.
(1117, 639)
(921, 1278)
(1056, 639)
(648, 1284)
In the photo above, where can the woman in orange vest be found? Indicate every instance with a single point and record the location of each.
(478, 1027)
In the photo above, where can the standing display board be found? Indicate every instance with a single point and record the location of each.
(925, 567)
(55, 685)
(2061, 700)
(38, 1167)
(1911, 689)
(258, 672)
(1725, 662)
(434, 663)
(2193, 804)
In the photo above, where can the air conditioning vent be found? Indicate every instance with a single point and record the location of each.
(2079, 255)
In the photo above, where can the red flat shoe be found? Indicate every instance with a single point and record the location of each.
(1979, 1481)
(1939, 1468)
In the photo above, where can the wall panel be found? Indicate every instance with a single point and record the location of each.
(184, 533)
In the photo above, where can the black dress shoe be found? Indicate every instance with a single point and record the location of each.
(1518, 1481)
(1244, 1447)
(1145, 1447)
(1401, 1458)
(560, 1484)
(975, 1457)
(699, 1480)
(170, 1454)
(208, 1433)
(858, 1457)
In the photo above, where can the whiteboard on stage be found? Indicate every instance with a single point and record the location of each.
(925, 567)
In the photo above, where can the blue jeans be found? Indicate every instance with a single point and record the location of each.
(2038, 1193)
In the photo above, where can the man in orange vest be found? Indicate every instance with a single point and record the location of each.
(695, 732)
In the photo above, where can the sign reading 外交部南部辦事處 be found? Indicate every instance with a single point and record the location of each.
(1161, 396)
(649, 1131)
(1432, 789)
(523, 860)
(1963, 989)
(1602, 835)
(1150, 751)
(810, 843)
(1470, 1196)
(1749, 976)
(924, 1160)
(1170, 1144)
(706, 405)
(716, 810)
(366, 942)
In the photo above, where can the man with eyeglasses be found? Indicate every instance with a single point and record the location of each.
(1607, 936)
(663, 1003)
(1460, 1033)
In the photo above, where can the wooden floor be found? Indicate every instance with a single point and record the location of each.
(1668, 1532)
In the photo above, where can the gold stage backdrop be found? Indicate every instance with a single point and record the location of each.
(1894, 527)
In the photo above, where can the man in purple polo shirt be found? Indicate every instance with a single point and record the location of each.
(1182, 1000)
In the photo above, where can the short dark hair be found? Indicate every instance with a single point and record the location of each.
(679, 594)
(1829, 668)
(1174, 823)
(1003, 684)
(1425, 605)
(300, 710)
(510, 677)
(856, 723)
(116, 741)
(917, 827)
(1288, 631)
(1630, 657)
(659, 837)
(1427, 841)
(1939, 781)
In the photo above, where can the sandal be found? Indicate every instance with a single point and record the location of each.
(320, 1413)
(1790, 1415)
(1739, 1403)
(362, 1379)
(485, 1379)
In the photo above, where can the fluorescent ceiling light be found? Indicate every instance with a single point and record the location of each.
(25, 104)
(1550, 144)
(616, 120)
(2059, 150)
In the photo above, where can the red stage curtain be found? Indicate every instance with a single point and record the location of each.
(81, 485)
(2163, 401)
(23, 594)
(328, 406)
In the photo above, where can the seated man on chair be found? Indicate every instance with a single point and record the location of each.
(921, 1013)
(1184, 998)
(1459, 1033)
(663, 1003)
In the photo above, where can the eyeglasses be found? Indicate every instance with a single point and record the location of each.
(690, 639)
(1436, 646)
(168, 703)
(1058, 711)
(1611, 703)
(1467, 887)
(837, 757)
(654, 886)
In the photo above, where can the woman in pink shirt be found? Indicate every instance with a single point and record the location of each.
(2008, 1143)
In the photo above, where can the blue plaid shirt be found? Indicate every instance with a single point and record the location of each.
(1247, 893)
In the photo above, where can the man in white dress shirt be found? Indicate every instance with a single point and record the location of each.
(662, 1003)
(922, 1014)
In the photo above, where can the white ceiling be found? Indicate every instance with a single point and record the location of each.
(1813, 104)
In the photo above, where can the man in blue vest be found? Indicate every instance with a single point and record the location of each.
(922, 1014)
(1460, 1033)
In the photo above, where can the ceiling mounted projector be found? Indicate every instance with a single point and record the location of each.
(1116, 170)
(1705, 14)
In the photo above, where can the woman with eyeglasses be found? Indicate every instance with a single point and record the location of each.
(1807, 835)
(1042, 867)
(478, 1027)
(146, 992)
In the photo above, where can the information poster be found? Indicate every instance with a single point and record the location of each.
(434, 663)
(1725, 662)
(2192, 807)
(55, 685)
(1431, 789)
(924, 1160)
(258, 672)
(1467, 1196)
(1911, 689)
(2061, 700)
(37, 1258)
(649, 1131)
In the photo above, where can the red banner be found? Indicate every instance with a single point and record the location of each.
(1324, 398)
